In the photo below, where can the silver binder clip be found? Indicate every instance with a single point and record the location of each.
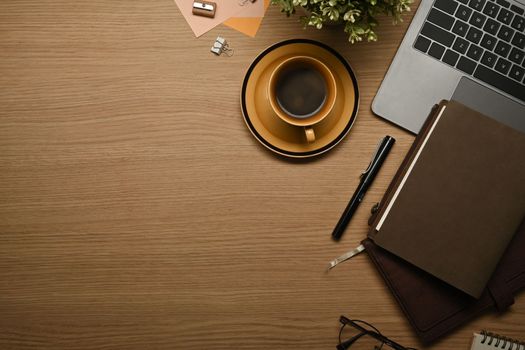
(220, 46)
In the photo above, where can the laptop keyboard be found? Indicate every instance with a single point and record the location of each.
(482, 38)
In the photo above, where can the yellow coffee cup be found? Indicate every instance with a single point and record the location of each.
(302, 92)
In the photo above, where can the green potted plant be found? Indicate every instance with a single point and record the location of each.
(357, 16)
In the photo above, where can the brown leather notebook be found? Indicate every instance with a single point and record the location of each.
(433, 307)
(458, 198)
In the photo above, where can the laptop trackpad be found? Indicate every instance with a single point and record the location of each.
(490, 103)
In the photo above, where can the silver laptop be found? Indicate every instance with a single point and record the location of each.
(472, 51)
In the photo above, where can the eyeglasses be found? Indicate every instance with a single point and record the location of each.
(364, 328)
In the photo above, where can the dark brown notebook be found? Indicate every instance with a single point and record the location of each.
(458, 199)
(433, 307)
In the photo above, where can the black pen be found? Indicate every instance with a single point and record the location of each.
(383, 148)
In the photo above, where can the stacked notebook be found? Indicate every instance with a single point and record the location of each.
(449, 235)
(492, 341)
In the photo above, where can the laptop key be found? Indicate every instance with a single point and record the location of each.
(449, 6)
(460, 28)
(477, 19)
(475, 52)
(516, 55)
(517, 9)
(503, 3)
(476, 4)
(437, 34)
(502, 65)
(505, 33)
(474, 35)
(450, 57)
(463, 13)
(489, 59)
(466, 65)
(491, 9)
(488, 41)
(502, 49)
(422, 44)
(518, 23)
(440, 18)
(491, 26)
(460, 45)
(501, 82)
(505, 16)
(517, 73)
(519, 40)
(436, 50)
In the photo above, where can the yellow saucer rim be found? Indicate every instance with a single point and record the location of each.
(315, 152)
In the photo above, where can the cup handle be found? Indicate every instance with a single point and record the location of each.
(310, 134)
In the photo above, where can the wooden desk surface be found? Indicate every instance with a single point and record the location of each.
(138, 212)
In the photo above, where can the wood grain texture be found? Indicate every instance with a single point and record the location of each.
(138, 212)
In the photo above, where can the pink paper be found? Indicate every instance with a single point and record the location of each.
(199, 24)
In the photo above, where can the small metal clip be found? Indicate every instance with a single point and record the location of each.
(244, 2)
(373, 158)
(220, 46)
(346, 256)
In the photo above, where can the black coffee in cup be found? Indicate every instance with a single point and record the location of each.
(301, 90)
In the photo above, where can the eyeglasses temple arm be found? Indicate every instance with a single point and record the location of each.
(347, 343)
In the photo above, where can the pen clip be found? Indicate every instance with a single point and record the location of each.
(374, 157)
